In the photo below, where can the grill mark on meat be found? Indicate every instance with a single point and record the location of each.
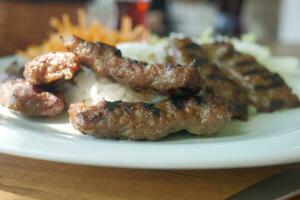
(253, 72)
(275, 82)
(226, 51)
(107, 61)
(209, 90)
(198, 62)
(276, 78)
(243, 63)
(178, 103)
(237, 107)
(117, 52)
(111, 106)
(272, 85)
(128, 109)
(155, 111)
(135, 62)
(192, 46)
(276, 104)
(218, 77)
(91, 117)
(198, 115)
(186, 90)
(200, 100)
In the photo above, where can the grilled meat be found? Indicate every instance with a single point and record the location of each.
(22, 96)
(184, 51)
(107, 61)
(51, 67)
(200, 115)
(265, 90)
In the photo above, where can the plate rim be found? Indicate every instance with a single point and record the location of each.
(131, 156)
(176, 156)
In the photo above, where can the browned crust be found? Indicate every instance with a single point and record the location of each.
(21, 96)
(200, 115)
(265, 90)
(184, 51)
(107, 61)
(50, 67)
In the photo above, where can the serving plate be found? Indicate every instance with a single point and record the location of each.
(266, 139)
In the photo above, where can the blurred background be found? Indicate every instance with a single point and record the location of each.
(24, 22)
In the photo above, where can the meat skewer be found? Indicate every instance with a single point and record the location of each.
(265, 90)
(22, 96)
(184, 51)
(200, 115)
(50, 67)
(107, 61)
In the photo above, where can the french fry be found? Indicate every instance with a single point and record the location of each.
(66, 22)
(55, 23)
(126, 26)
(137, 32)
(95, 31)
(81, 19)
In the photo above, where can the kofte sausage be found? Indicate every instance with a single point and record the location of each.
(107, 61)
(184, 51)
(200, 115)
(29, 100)
(51, 67)
(265, 90)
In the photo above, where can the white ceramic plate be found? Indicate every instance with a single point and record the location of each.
(266, 139)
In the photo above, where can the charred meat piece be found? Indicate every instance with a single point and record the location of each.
(51, 67)
(200, 115)
(21, 96)
(107, 61)
(184, 51)
(265, 90)
(13, 71)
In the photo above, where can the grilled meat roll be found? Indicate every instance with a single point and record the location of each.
(51, 67)
(22, 96)
(184, 51)
(107, 61)
(200, 115)
(265, 90)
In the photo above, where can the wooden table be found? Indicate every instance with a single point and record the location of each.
(22, 178)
